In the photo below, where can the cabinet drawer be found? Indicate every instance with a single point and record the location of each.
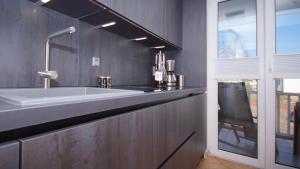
(185, 158)
(173, 122)
(9, 155)
(123, 141)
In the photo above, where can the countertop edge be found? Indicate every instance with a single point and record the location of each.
(16, 119)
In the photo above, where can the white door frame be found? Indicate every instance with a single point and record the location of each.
(270, 15)
(267, 116)
(212, 89)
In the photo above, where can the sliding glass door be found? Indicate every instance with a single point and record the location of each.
(236, 84)
(237, 98)
(254, 81)
(283, 76)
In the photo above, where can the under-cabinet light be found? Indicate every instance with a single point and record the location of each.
(45, 1)
(141, 38)
(108, 24)
(158, 47)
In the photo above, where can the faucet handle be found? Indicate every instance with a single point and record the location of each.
(49, 74)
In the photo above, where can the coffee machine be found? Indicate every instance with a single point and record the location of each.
(171, 77)
(159, 70)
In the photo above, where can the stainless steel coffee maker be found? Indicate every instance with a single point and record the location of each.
(159, 70)
(171, 77)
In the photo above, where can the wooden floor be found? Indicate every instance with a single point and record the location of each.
(216, 163)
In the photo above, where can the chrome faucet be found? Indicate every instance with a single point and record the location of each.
(48, 75)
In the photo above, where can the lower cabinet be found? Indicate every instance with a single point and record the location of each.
(190, 153)
(9, 155)
(185, 158)
(123, 141)
(173, 122)
(201, 125)
(142, 139)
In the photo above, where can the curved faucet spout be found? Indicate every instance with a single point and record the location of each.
(68, 30)
(47, 72)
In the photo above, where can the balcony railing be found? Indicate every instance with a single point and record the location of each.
(285, 103)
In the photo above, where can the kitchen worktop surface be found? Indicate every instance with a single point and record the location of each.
(15, 117)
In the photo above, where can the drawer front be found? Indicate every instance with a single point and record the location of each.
(173, 122)
(87, 146)
(123, 141)
(185, 158)
(9, 155)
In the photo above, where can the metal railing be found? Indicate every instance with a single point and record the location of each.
(285, 103)
(254, 108)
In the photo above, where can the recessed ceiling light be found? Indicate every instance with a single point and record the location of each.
(108, 24)
(141, 38)
(158, 47)
(45, 1)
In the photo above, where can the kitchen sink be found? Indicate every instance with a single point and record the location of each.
(37, 96)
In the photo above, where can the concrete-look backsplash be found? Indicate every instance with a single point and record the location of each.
(24, 27)
(191, 60)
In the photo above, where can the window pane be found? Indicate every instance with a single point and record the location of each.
(288, 26)
(288, 122)
(237, 29)
(237, 117)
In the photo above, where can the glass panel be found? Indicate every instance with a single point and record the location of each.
(237, 29)
(238, 117)
(288, 26)
(288, 122)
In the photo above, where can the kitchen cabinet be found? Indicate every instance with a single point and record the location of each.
(77, 9)
(9, 155)
(136, 140)
(92, 145)
(123, 141)
(201, 129)
(172, 27)
(159, 20)
(107, 3)
(173, 123)
(190, 153)
(147, 14)
(185, 157)
(144, 138)
(162, 17)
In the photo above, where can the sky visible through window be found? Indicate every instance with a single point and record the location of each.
(237, 33)
(237, 29)
(288, 32)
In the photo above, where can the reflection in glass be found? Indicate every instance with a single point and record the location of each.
(237, 117)
(237, 29)
(288, 122)
(288, 26)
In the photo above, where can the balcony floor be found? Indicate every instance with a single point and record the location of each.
(217, 163)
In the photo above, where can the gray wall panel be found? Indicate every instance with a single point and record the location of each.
(24, 28)
(191, 61)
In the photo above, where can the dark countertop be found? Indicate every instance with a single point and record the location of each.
(15, 117)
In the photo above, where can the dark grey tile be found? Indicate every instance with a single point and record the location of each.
(24, 29)
(191, 61)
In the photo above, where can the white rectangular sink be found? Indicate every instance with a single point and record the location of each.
(36, 96)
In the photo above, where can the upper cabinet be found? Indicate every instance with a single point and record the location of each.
(172, 29)
(148, 14)
(75, 9)
(158, 20)
(107, 3)
(161, 17)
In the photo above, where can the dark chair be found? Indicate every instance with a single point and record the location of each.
(297, 129)
(234, 110)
